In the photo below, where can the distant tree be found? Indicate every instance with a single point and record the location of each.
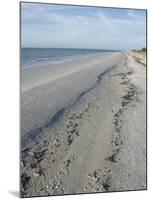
(144, 49)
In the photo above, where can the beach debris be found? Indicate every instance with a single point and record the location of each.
(56, 140)
(72, 117)
(85, 188)
(73, 130)
(78, 116)
(114, 110)
(106, 183)
(37, 157)
(46, 142)
(38, 172)
(53, 161)
(129, 73)
(57, 145)
(125, 83)
(122, 75)
(77, 133)
(25, 150)
(70, 139)
(68, 162)
(24, 182)
(89, 175)
(87, 107)
(113, 158)
(75, 125)
(69, 124)
(97, 189)
(23, 163)
(118, 141)
(30, 153)
(129, 97)
(95, 174)
(34, 163)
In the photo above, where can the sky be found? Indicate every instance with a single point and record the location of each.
(63, 26)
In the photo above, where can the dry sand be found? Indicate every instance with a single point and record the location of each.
(92, 136)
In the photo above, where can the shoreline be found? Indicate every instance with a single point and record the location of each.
(34, 133)
(57, 87)
(99, 139)
(68, 59)
(30, 75)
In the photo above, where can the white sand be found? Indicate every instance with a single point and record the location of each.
(98, 143)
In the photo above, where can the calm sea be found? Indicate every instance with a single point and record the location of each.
(37, 56)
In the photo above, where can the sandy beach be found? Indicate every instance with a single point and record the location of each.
(83, 125)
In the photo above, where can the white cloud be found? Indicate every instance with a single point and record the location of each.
(91, 30)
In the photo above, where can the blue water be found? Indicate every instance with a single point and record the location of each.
(37, 56)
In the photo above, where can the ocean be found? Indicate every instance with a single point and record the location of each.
(37, 56)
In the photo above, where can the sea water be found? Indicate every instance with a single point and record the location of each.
(37, 56)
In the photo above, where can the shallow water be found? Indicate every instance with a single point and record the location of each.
(36, 56)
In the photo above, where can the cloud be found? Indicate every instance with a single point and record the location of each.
(82, 27)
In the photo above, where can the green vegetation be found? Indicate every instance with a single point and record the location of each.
(144, 50)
